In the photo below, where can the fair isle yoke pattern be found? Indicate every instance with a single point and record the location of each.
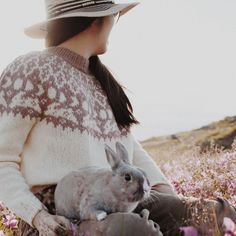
(54, 119)
(47, 87)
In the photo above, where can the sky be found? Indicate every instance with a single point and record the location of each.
(177, 58)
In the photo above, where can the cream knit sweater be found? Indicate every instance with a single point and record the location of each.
(55, 118)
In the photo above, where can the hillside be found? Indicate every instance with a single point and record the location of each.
(220, 133)
(200, 162)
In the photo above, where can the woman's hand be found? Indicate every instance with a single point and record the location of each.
(51, 225)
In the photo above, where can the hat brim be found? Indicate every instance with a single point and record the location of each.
(39, 30)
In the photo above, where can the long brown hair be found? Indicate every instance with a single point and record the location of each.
(61, 30)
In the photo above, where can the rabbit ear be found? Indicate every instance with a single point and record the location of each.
(122, 153)
(112, 157)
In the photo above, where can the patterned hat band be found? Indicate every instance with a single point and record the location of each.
(71, 6)
(59, 9)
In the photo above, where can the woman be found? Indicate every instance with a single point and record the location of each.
(58, 108)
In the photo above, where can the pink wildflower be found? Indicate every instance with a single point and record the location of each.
(74, 229)
(189, 231)
(10, 221)
(2, 233)
(206, 175)
(230, 227)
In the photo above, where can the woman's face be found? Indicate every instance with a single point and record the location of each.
(104, 25)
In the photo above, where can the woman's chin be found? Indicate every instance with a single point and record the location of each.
(102, 50)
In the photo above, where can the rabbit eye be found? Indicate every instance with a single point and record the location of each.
(127, 177)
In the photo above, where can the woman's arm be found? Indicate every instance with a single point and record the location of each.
(19, 111)
(157, 179)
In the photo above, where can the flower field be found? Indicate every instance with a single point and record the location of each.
(204, 175)
(211, 174)
(8, 222)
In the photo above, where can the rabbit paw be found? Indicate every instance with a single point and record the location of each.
(101, 215)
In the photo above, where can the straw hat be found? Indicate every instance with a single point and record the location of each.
(57, 9)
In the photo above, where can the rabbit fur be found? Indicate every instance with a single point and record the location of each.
(93, 192)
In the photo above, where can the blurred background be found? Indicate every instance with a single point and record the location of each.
(176, 58)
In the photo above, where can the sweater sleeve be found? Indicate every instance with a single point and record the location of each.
(19, 111)
(143, 160)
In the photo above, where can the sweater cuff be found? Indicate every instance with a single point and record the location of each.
(29, 211)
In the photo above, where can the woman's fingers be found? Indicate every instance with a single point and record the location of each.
(52, 228)
(47, 232)
(63, 227)
(51, 225)
(65, 223)
(61, 231)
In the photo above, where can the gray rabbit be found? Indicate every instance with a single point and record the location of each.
(93, 192)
